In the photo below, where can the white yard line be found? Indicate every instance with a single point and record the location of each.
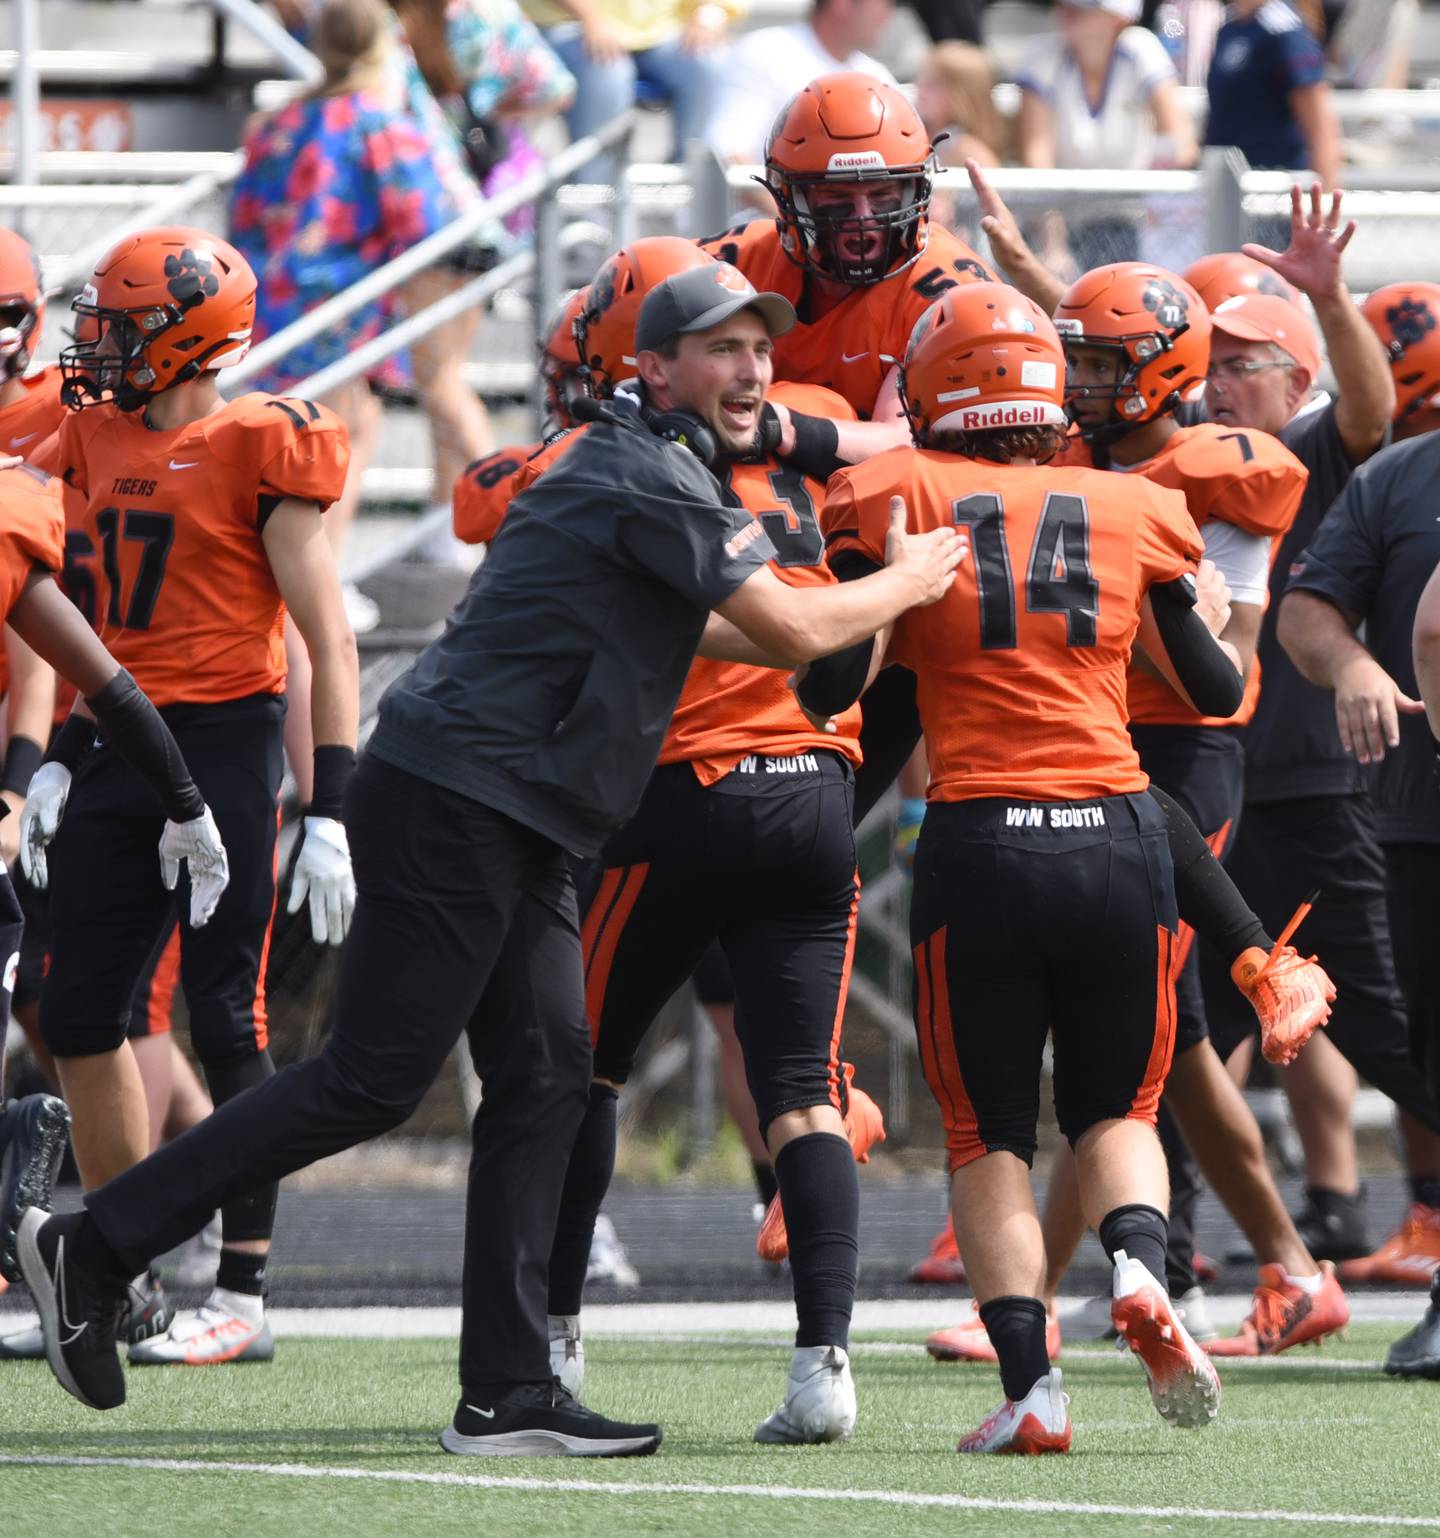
(911, 1498)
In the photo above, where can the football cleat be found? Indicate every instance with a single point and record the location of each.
(1038, 1423)
(608, 1261)
(969, 1341)
(146, 1311)
(227, 1327)
(1194, 1311)
(541, 1420)
(567, 1353)
(864, 1128)
(819, 1401)
(199, 1261)
(1184, 1385)
(1408, 1258)
(943, 1265)
(1331, 1224)
(78, 1310)
(1284, 1315)
(32, 1144)
(1417, 1354)
(1291, 994)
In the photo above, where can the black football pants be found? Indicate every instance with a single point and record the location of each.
(466, 921)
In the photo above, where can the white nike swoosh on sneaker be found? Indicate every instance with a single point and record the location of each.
(488, 1415)
(853, 357)
(76, 1330)
(188, 465)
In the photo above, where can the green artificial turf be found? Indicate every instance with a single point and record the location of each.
(1295, 1437)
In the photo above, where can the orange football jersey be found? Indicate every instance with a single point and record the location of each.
(1021, 667)
(1244, 477)
(171, 536)
(852, 348)
(27, 423)
(483, 492)
(32, 529)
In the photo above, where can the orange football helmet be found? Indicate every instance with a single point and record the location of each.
(1159, 330)
(165, 305)
(983, 356)
(22, 304)
(561, 375)
(1227, 274)
(1406, 318)
(851, 130)
(606, 327)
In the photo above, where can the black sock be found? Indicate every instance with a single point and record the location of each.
(1425, 1189)
(250, 1215)
(821, 1197)
(587, 1179)
(1208, 900)
(1141, 1232)
(242, 1271)
(765, 1183)
(1016, 1327)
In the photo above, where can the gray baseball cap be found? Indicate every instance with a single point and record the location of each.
(701, 298)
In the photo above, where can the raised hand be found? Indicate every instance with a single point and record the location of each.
(1312, 260)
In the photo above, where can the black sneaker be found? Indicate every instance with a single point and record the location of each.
(542, 1420)
(78, 1310)
(146, 1310)
(1417, 1355)
(33, 1135)
(1333, 1224)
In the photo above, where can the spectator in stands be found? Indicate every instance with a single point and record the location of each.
(334, 185)
(1100, 94)
(1268, 93)
(763, 70)
(954, 95)
(621, 51)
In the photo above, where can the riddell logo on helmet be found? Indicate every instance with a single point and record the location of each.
(857, 160)
(1002, 416)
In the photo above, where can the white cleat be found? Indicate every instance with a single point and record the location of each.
(199, 1261)
(567, 1352)
(1194, 1310)
(1183, 1382)
(819, 1400)
(1038, 1423)
(227, 1327)
(23, 1346)
(608, 1261)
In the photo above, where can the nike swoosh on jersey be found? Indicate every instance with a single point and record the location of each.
(489, 1415)
(188, 465)
(15, 443)
(853, 357)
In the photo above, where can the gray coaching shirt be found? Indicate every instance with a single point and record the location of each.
(549, 693)
(1292, 746)
(1371, 557)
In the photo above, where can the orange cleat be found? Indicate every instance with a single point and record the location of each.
(1408, 1258)
(970, 1341)
(1290, 993)
(1285, 1315)
(1038, 1423)
(942, 1266)
(864, 1127)
(1184, 1385)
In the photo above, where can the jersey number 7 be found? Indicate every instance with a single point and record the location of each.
(1058, 581)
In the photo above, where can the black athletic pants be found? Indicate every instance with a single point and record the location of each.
(1413, 891)
(466, 921)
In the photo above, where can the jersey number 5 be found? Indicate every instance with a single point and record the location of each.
(156, 533)
(1059, 580)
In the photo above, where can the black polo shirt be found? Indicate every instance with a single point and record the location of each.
(1292, 745)
(549, 694)
(1371, 557)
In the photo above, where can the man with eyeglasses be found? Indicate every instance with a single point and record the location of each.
(1308, 819)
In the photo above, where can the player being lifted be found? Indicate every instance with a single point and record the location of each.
(1043, 900)
(206, 520)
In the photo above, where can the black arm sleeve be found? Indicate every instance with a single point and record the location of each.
(133, 727)
(834, 683)
(816, 441)
(23, 756)
(1206, 674)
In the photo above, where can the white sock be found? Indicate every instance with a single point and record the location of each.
(240, 1305)
(1308, 1284)
(563, 1324)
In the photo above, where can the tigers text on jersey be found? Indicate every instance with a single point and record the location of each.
(851, 348)
(171, 537)
(1021, 667)
(1245, 478)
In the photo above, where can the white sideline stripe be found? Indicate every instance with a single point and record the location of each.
(729, 1492)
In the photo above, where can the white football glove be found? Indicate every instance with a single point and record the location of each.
(197, 842)
(44, 807)
(323, 872)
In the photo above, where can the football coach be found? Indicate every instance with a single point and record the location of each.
(526, 731)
